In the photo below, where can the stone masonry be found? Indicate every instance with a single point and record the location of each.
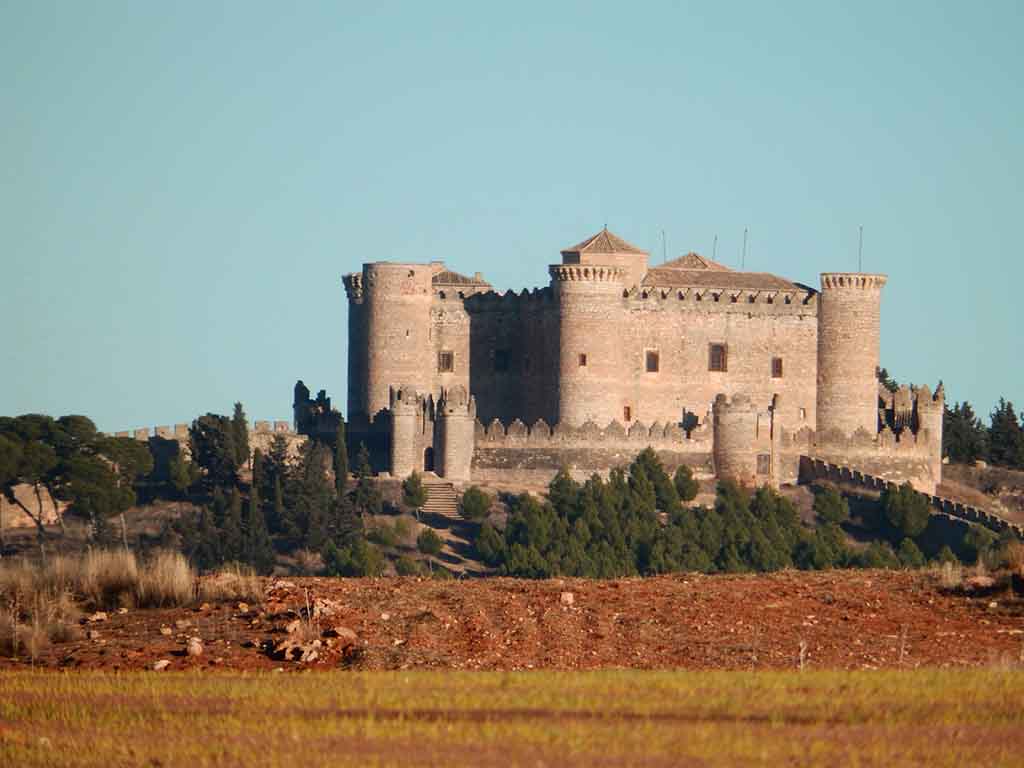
(736, 373)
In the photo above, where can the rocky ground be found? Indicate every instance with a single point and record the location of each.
(833, 619)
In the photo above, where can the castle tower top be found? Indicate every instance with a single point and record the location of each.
(608, 249)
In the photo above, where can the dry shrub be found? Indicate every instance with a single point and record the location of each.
(18, 581)
(1013, 556)
(308, 562)
(951, 575)
(109, 578)
(37, 607)
(233, 582)
(165, 580)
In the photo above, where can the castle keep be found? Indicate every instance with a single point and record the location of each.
(737, 374)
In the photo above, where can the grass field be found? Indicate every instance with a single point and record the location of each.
(923, 717)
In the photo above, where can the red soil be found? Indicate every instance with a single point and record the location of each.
(844, 619)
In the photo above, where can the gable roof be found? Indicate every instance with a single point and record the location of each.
(694, 270)
(603, 242)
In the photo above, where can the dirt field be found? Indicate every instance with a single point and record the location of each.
(832, 619)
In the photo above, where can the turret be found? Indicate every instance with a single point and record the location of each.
(736, 445)
(406, 406)
(396, 317)
(456, 419)
(930, 412)
(590, 355)
(358, 403)
(848, 352)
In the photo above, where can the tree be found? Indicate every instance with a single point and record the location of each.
(212, 440)
(1006, 437)
(414, 495)
(30, 462)
(231, 535)
(910, 555)
(964, 437)
(340, 458)
(311, 495)
(830, 507)
(429, 543)
(886, 380)
(367, 496)
(182, 472)
(131, 460)
(686, 486)
(259, 549)
(240, 433)
(475, 505)
(906, 510)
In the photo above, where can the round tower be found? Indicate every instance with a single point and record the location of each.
(848, 352)
(456, 419)
(406, 411)
(734, 446)
(590, 369)
(396, 318)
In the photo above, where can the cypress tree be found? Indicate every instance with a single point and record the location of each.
(232, 535)
(240, 433)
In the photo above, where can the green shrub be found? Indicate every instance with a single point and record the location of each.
(475, 504)
(429, 543)
(406, 566)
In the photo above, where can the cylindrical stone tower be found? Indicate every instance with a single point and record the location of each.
(456, 419)
(848, 334)
(590, 358)
(735, 432)
(396, 317)
(406, 412)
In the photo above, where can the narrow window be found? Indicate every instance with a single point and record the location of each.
(583, 359)
(776, 367)
(445, 361)
(764, 464)
(627, 413)
(501, 360)
(718, 358)
(653, 361)
(803, 414)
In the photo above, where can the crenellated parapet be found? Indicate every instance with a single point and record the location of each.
(771, 301)
(856, 281)
(746, 440)
(518, 435)
(354, 286)
(588, 273)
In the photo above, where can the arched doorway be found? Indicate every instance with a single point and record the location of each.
(428, 460)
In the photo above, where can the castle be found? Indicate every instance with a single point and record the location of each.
(736, 374)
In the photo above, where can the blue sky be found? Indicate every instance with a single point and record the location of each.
(182, 185)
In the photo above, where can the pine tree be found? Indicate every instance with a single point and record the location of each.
(964, 438)
(686, 486)
(367, 496)
(240, 432)
(259, 550)
(340, 458)
(1006, 438)
(232, 534)
(414, 495)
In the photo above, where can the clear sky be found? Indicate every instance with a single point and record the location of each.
(182, 185)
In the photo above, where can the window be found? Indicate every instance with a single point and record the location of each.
(718, 357)
(627, 413)
(803, 414)
(501, 360)
(445, 361)
(583, 359)
(776, 367)
(653, 360)
(764, 464)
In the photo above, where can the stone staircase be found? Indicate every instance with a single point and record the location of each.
(441, 497)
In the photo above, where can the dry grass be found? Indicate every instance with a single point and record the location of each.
(166, 580)
(37, 608)
(108, 578)
(234, 582)
(950, 575)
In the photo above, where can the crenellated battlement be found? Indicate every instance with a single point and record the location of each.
(772, 301)
(589, 273)
(353, 286)
(910, 408)
(518, 435)
(853, 281)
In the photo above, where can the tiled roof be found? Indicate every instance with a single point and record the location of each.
(604, 242)
(447, 277)
(694, 270)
